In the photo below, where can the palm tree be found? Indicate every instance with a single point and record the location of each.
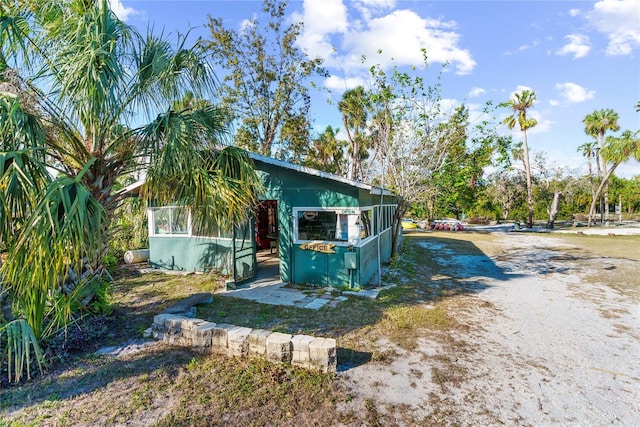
(354, 109)
(328, 152)
(76, 85)
(590, 150)
(597, 124)
(519, 104)
(616, 151)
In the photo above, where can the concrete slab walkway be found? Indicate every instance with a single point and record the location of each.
(267, 288)
(269, 292)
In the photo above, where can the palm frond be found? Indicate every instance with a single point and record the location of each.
(166, 73)
(18, 128)
(21, 178)
(64, 230)
(14, 33)
(16, 340)
(187, 169)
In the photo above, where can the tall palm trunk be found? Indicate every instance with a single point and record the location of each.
(599, 191)
(527, 171)
(606, 185)
(592, 184)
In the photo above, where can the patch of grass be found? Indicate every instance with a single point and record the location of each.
(416, 317)
(403, 324)
(349, 316)
(250, 392)
(609, 260)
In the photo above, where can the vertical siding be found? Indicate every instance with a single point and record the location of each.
(190, 253)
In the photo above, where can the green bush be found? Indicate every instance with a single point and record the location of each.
(101, 301)
(128, 230)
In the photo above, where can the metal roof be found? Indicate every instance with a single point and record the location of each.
(132, 188)
(314, 172)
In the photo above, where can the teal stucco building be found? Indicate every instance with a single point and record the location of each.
(325, 230)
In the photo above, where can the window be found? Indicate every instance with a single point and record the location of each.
(169, 221)
(322, 225)
(334, 225)
(199, 230)
(387, 217)
(365, 224)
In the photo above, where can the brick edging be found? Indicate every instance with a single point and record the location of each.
(305, 351)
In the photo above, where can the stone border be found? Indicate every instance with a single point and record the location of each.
(305, 351)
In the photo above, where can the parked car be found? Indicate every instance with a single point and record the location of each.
(447, 224)
(408, 224)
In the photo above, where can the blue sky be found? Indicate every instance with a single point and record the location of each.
(578, 56)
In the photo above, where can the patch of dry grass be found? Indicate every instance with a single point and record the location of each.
(609, 260)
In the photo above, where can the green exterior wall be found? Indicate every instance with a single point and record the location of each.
(292, 189)
(190, 253)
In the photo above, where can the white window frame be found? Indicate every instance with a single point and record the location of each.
(151, 213)
(351, 212)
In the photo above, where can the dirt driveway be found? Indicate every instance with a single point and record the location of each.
(540, 340)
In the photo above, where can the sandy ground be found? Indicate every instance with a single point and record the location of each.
(542, 347)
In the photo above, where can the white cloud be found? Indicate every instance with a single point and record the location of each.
(121, 10)
(402, 34)
(628, 169)
(575, 12)
(543, 126)
(476, 91)
(321, 20)
(578, 46)
(369, 8)
(534, 43)
(378, 4)
(343, 37)
(618, 20)
(329, 16)
(340, 84)
(574, 93)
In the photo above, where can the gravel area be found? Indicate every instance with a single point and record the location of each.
(541, 346)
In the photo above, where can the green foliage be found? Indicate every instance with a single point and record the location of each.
(128, 229)
(112, 259)
(459, 182)
(265, 85)
(629, 193)
(355, 108)
(327, 153)
(61, 233)
(17, 341)
(101, 301)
